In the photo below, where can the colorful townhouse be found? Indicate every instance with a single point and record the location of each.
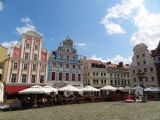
(65, 66)
(3, 63)
(27, 63)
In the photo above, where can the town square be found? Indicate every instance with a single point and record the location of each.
(80, 60)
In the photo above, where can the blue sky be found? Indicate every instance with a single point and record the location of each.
(101, 29)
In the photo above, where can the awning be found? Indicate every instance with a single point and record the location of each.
(14, 89)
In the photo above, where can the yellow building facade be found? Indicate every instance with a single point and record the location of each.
(3, 63)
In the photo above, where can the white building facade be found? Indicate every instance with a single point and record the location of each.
(142, 62)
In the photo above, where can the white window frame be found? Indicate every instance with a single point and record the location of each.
(33, 76)
(26, 56)
(15, 65)
(25, 66)
(13, 80)
(24, 78)
(34, 67)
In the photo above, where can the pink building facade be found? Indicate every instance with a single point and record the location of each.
(27, 64)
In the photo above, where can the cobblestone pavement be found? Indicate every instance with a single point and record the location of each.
(89, 111)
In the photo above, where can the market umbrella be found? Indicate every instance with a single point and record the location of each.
(89, 88)
(51, 89)
(108, 88)
(69, 88)
(138, 90)
(36, 89)
(152, 89)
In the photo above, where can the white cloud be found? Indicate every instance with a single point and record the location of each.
(9, 44)
(113, 28)
(148, 28)
(116, 59)
(28, 25)
(148, 23)
(81, 44)
(1, 6)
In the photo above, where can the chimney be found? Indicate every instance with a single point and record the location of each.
(120, 64)
(127, 64)
(108, 63)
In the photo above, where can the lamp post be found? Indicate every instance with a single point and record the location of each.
(140, 75)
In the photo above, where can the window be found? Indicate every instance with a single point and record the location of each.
(151, 69)
(67, 66)
(134, 79)
(145, 69)
(15, 65)
(25, 67)
(24, 78)
(61, 56)
(93, 73)
(35, 57)
(42, 67)
(73, 77)
(60, 65)
(67, 57)
(26, 56)
(33, 79)
(53, 76)
(34, 67)
(101, 81)
(54, 64)
(67, 50)
(133, 71)
(1, 65)
(13, 79)
(105, 82)
(74, 58)
(146, 79)
(73, 66)
(67, 76)
(152, 78)
(42, 79)
(97, 73)
(60, 76)
(115, 82)
(27, 46)
(79, 77)
(111, 82)
(79, 67)
(138, 63)
(35, 47)
(101, 74)
(139, 70)
(137, 56)
(143, 55)
(144, 62)
(0, 77)
(118, 75)
(111, 75)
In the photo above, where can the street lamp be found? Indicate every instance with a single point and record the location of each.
(140, 75)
